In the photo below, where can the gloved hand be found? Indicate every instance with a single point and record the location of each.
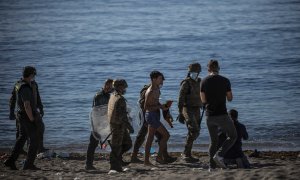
(181, 118)
(12, 115)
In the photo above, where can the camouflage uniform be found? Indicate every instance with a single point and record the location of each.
(189, 104)
(119, 122)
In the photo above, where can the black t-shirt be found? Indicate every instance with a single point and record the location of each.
(24, 94)
(215, 88)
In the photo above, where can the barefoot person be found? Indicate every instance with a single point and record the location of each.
(152, 116)
(162, 157)
(215, 89)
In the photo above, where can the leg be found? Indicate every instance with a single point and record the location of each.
(20, 142)
(91, 151)
(213, 133)
(140, 138)
(227, 126)
(116, 147)
(41, 136)
(151, 132)
(192, 116)
(114, 155)
(126, 145)
(246, 162)
(164, 139)
(31, 130)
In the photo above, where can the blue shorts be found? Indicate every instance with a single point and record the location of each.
(153, 119)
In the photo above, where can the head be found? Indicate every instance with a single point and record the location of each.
(213, 66)
(233, 114)
(29, 73)
(194, 70)
(108, 87)
(120, 86)
(157, 78)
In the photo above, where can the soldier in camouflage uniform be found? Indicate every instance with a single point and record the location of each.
(119, 125)
(101, 98)
(189, 104)
(38, 108)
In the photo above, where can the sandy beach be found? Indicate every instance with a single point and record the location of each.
(268, 165)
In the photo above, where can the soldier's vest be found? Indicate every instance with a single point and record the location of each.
(192, 98)
(112, 109)
(18, 86)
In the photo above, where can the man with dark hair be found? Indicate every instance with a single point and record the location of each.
(215, 89)
(162, 157)
(152, 115)
(101, 98)
(119, 125)
(27, 117)
(38, 108)
(235, 154)
(189, 104)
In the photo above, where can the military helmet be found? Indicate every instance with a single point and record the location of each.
(195, 67)
(120, 82)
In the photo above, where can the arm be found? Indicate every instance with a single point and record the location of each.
(203, 97)
(28, 110)
(229, 96)
(244, 132)
(184, 88)
(229, 92)
(12, 104)
(39, 101)
(123, 114)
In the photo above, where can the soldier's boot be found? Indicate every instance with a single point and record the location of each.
(187, 154)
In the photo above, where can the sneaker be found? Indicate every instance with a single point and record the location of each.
(89, 167)
(136, 160)
(189, 159)
(33, 167)
(220, 161)
(10, 164)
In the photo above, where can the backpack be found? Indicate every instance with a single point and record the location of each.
(141, 101)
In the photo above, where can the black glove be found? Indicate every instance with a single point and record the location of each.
(12, 115)
(181, 118)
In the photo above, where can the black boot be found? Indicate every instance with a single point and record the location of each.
(11, 164)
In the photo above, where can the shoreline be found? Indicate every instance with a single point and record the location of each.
(269, 165)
